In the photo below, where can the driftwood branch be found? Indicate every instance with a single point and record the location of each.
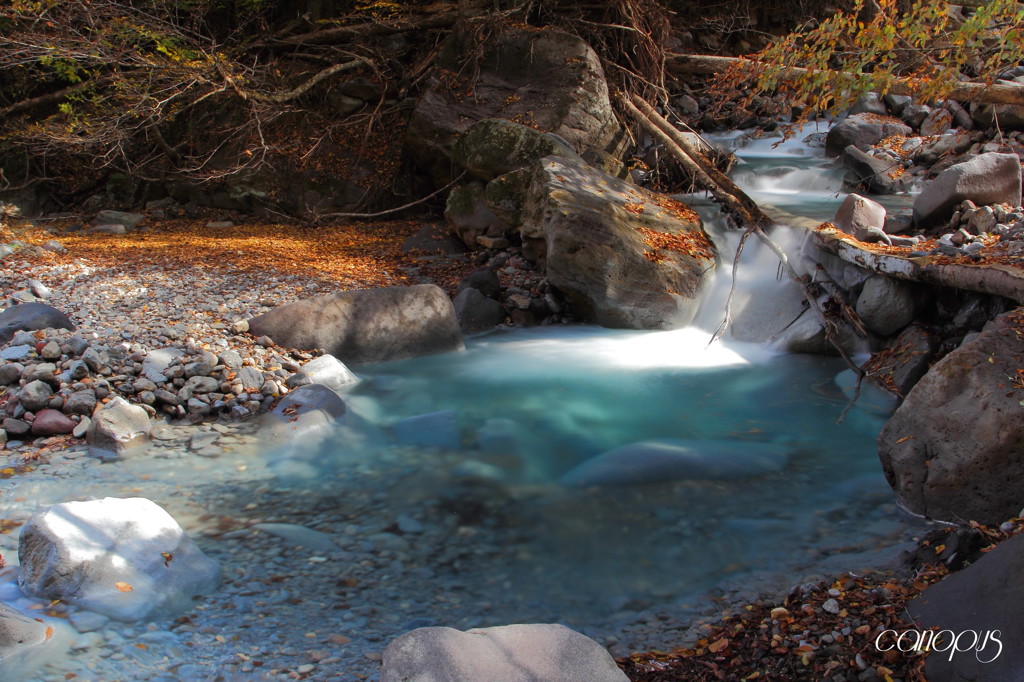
(378, 214)
(1001, 92)
(282, 97)
(52, 98)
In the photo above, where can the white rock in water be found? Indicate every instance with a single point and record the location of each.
(511, 653)
(18, 633)
(124, 558)
(658, 461)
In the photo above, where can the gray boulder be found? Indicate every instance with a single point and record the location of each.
(118, 428)
(124, 558)
(549, 80)
(952, 450)
(129, 220)
(986, 179)
(29, 317)
(985, 599)
(369, 325)
(861, 217)
(506, 193)
(622, 256)
(862, 131)
(945, 145)
(493, 147)
(511, 653)
(325, 370)
(476, 312)
(308, 413)
(886, 305)
(467, 211)
(906, 360)
(670, 459)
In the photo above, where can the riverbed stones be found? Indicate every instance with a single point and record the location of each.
(123, 558)
(31, 316)
(325, 370)
(118, 428)
(977, 603)
(886, 305)
(34, 395)
(551, 80)
(622, 256)
(511, 653)
(862, 131)
(990, 178)
(934, 469)
(369, 325)
(50, 422)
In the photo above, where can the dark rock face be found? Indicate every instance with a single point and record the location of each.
(31, 316)
(985, 599)
(370, 325)
(550, 80)
(862, 131)
(476, 312)
(621, 258)
(952, 451)
(987, 179)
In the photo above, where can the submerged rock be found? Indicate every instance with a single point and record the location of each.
(19, 633)
(510, 653)
(669, 459)
(124, 558)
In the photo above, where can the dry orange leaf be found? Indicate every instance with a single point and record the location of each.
(123, 587)
(715, 647)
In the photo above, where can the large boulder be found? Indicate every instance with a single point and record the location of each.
(978, 608)
(367, 325)
(986, 179)
(476, 312)
(494, 146)
(886, 305)
(862, 131)
(622, 256)
(861, 217)
(952, 450)
(117, 429)
(470, 216)
(124, 558)
(875, 174)
(29, 317)
(547, 79)
(511, 653)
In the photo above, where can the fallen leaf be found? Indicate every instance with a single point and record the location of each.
(123, 587)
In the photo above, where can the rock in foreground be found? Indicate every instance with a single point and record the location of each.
(31, 316)
(511, 653)
(367, 325)
(124, 558)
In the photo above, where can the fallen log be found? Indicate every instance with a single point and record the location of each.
(1000, 92)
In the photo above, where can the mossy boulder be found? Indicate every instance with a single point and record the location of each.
(493, 147)
(470, 216)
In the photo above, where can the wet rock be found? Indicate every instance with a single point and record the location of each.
(299, 536)
(886, 305)
(670, 459)
(476, 312)
(493, 147)
(51, 423)
(594, 248)
(370, 325)
(980, 602)
(325, 370)
(434, 430)
(986, 179)
(511, 653)
(19, 633)
(308, 412)
(862, 131)
(118, 428)
(934, 469)
(31, 316)
(123, 558)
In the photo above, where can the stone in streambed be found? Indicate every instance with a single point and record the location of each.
(986, 179)
(658, 461)
(510, 653)
(118, 428)
(124, 558)
(52, 423)
(433, 430)
(325, 370)
(29, 317)
(19, 634)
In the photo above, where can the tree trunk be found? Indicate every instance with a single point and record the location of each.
(997, 93)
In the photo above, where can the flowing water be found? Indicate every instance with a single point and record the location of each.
(498, 430)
